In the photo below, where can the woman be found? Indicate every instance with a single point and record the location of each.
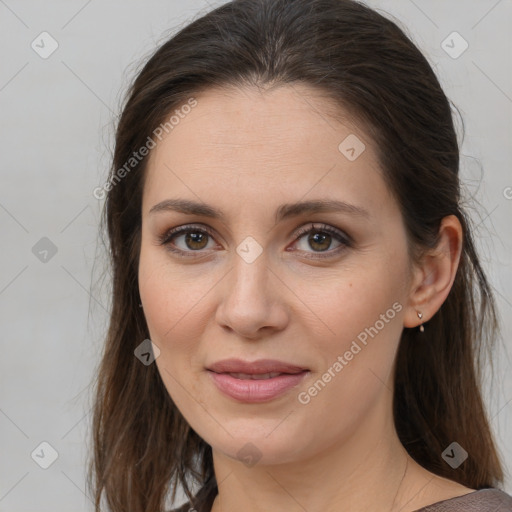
(297, 300)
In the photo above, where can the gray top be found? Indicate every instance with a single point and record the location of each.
(484, 500)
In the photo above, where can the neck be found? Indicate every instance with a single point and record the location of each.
(366, 471)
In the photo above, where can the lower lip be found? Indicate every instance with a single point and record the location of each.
(253, 391)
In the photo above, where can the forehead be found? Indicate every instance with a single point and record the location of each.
(285, 117)
(249, 145)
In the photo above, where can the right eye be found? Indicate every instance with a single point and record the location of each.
(193, 239)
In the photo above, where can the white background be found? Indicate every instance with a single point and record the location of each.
(57, 120)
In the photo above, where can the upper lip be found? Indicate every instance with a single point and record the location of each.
(254, 367)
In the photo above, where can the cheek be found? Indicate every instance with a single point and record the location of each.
(175, 317)
(347, 302)
(361, 311)
(155, 297)
(175, 301)
(364, 311)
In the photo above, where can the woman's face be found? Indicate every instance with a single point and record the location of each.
(259, 282)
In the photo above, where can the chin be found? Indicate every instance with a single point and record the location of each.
(253, 441)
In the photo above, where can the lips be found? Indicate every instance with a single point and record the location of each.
(255, 382)
(261, 368)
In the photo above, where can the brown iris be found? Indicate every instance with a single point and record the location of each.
(196, 240)
(319, 238)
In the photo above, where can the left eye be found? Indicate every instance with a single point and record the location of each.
(318, 237)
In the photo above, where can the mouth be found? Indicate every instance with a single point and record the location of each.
(256, 388)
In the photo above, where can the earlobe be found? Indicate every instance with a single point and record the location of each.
(435, 274)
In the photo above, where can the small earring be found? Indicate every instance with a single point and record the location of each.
(420, 316)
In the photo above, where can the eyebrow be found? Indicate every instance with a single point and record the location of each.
(284, 211)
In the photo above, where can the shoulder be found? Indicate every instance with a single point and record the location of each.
(484, 500)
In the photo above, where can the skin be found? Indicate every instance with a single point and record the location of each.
(245, 152)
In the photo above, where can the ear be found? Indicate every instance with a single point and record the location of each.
(434, 275)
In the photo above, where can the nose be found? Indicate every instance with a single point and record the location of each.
(252, 301)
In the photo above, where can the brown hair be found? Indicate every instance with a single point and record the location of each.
(348, 52)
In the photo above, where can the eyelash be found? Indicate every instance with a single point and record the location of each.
(344, 239)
